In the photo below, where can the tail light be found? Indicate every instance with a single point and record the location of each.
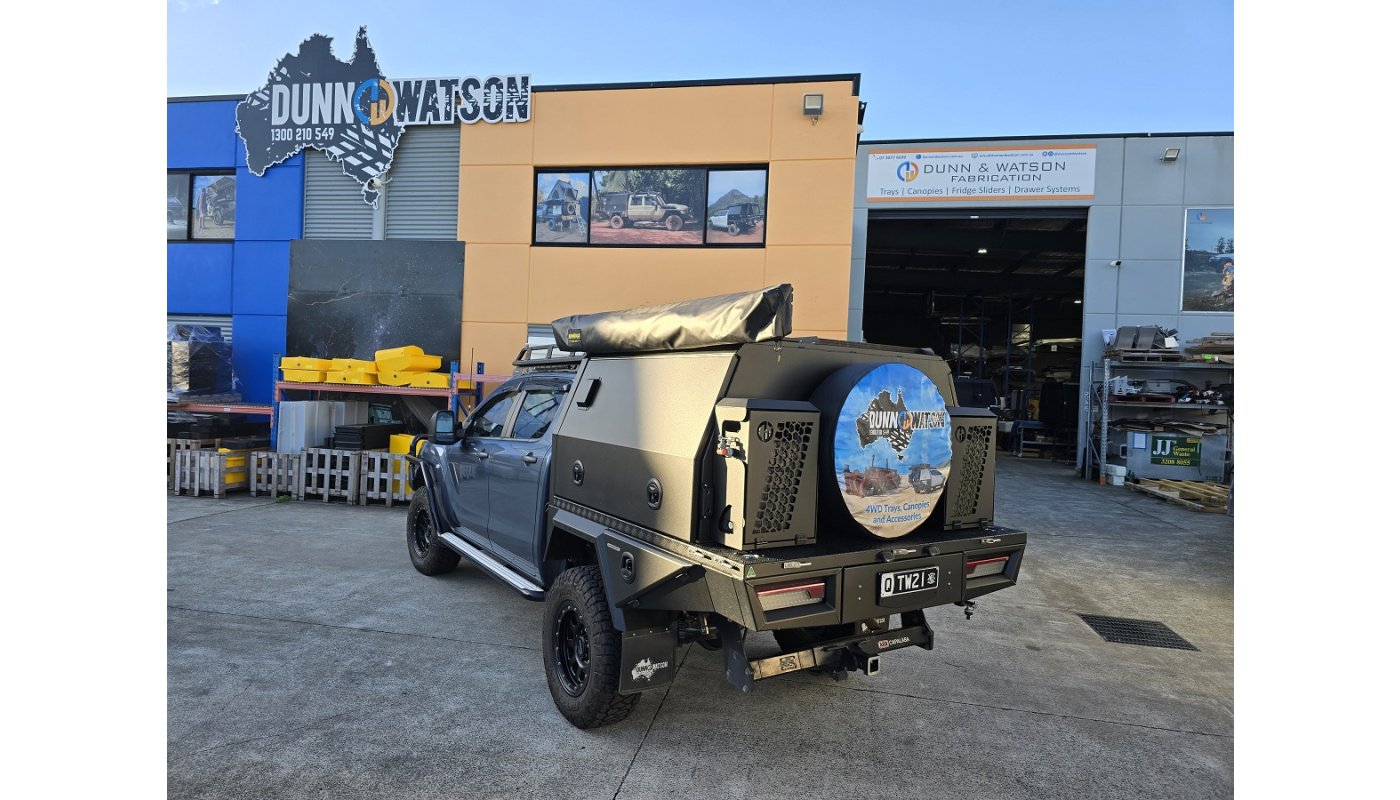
(982, 567)
(789, 595)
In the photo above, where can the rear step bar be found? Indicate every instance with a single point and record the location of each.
(488, 563)
(850, 653)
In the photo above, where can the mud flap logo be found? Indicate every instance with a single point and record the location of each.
(646, 669)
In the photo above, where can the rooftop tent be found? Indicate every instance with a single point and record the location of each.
(687, 325)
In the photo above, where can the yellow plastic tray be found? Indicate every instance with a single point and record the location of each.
(429, 380)
(409, 364)
(396, 378)
(352, 365)
(359, 378)
(304, 375)
(395, 352)
(306, 363)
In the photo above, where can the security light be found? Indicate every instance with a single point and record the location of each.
(1171, 154)
(812, 106)
(981, 251)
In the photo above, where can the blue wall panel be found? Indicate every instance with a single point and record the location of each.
(200, 134)
(260, 277)
(257, 338)
(199, 278)
(270, 207)
(246, 278)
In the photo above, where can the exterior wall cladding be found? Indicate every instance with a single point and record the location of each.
(245, 278)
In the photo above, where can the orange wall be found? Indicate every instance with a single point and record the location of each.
(509, 284)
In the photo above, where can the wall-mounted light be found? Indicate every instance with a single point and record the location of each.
(812, 106)
(1079, 302)
(981, 251)
(1171, 154)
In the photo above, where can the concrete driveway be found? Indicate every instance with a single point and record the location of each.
(308, 659)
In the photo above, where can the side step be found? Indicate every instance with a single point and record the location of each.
(488, 563)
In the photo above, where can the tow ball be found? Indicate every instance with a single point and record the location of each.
(968, 607)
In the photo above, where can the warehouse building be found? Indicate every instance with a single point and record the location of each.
(1009, 256)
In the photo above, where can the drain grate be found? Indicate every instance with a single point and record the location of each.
(1136, 631)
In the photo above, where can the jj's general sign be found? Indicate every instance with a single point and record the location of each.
(984, 173)
(349, 110)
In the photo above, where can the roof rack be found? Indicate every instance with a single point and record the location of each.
(545, 358)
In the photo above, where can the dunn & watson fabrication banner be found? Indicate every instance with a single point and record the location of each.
(984, 173)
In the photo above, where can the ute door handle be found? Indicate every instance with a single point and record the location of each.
(529, 458)
(482, 454)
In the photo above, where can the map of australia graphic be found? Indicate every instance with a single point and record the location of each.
(364, 151)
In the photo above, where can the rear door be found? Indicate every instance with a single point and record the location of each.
(518, 473)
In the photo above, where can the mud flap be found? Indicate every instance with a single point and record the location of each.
(648, 659)
(736, 664)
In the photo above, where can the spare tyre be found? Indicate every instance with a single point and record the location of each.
(878, 422)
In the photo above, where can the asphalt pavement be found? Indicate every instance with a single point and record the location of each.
(307, 658)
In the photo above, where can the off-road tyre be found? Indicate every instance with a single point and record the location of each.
(793, 639)
(616, 222)
(674, 223)
(218, 217)
(584, 690)
(427, 552)
(734, 229)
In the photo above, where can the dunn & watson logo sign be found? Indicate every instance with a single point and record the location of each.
(352, 113)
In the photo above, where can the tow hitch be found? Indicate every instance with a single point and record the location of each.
(853, 653)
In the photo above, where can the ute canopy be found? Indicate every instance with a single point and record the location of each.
(687, 325)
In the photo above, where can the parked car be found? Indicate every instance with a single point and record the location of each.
(174, 210)
(652, 498)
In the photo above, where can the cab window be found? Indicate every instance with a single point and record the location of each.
(491, 422)
(537, 410)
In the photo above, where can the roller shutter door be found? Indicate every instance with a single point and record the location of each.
(335, 206)
(422, 189)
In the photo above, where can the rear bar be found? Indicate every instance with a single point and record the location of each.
(849, 653)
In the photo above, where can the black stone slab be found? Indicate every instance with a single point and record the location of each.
(347, 299)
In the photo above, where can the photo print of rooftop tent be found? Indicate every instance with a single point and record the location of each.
(561, 207)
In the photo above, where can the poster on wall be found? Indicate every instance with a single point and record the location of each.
(736, 211)
(561, 208)
(215, 203)
(177, 206)
(933, 174)
(1208, 265)
(647, 207)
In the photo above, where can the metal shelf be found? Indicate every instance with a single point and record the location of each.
(1202, 406)
(1169, 365)
(222, 408)
(1098, 404)
(362, 388)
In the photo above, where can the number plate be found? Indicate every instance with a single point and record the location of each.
(908, 581)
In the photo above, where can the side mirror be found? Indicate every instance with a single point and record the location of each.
(444, 427)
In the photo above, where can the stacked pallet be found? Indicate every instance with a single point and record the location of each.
(368, 436)
(1215, 347)
(1195, 495)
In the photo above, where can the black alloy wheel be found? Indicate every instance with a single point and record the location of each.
(427, 552)
(571, 649)
(582, 651)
